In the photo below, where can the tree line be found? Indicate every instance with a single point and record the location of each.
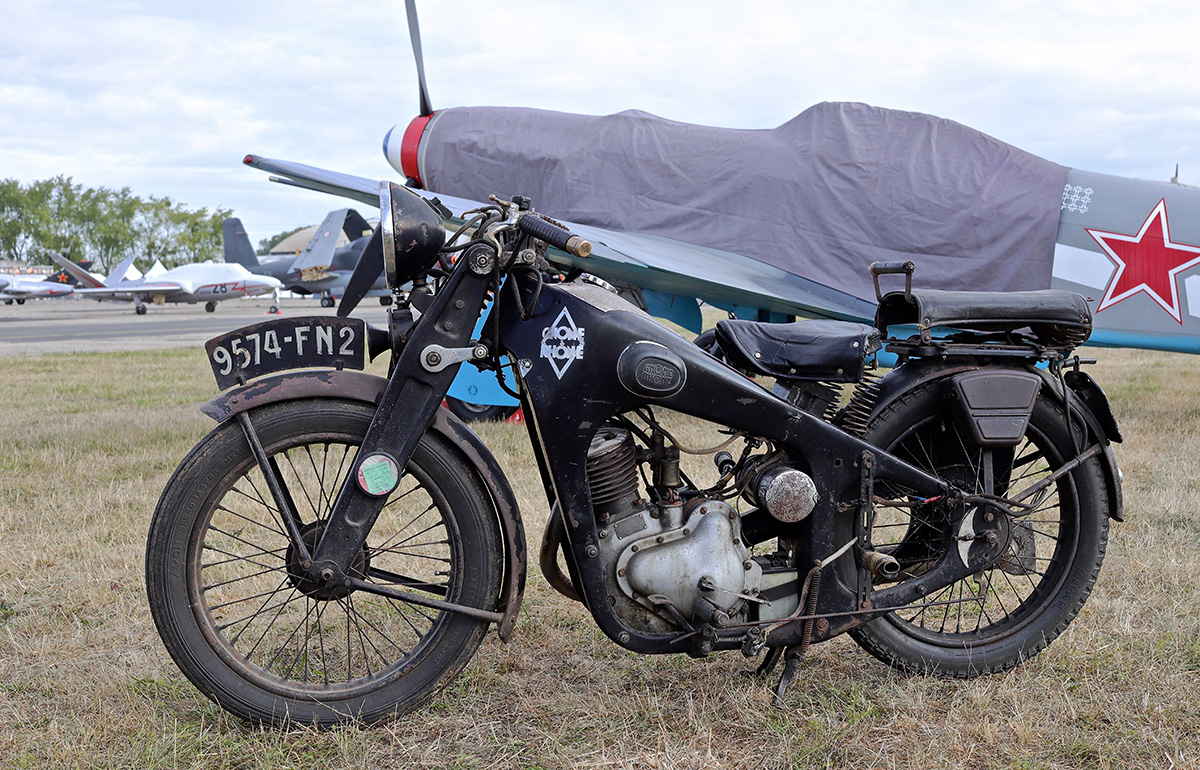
(61, 216)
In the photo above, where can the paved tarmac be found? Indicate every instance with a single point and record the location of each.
(77, 325)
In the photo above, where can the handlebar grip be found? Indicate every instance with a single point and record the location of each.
(884, 268)
(554, 235)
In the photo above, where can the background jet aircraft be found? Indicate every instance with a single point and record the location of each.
(207, 282)
(18, 288)
(321, 268)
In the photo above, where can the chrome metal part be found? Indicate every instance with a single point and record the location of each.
(435, 358)
(788, 494)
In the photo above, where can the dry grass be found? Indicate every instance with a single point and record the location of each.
(87, 441)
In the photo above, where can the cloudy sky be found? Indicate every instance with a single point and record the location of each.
(166, 97)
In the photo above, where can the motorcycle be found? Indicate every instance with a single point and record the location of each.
(336, 548)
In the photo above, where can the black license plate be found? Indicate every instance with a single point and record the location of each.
(287, 343)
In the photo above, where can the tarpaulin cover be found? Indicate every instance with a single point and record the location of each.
(837, 187)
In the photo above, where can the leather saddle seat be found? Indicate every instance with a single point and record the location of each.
(1055, 317)
(812, 350)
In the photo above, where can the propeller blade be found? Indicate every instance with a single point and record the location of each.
(414, 31)
(366, 272)
(355, 226)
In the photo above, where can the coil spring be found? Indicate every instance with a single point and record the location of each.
(857, 413)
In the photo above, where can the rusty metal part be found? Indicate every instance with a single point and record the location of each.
(288, 386)
(788, 495)
(881, 565)
(552, 540)
(359, 386)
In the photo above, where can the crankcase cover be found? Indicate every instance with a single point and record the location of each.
(709, 549)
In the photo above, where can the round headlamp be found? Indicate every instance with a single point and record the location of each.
(412, 233)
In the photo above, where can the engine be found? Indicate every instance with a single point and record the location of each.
(669, 563)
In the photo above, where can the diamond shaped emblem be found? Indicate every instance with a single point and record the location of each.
(562, 343)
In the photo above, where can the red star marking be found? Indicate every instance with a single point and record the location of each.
(1148, 262)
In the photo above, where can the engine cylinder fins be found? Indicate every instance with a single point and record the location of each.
(612, 472)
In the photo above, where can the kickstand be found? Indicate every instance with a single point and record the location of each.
(767, 666)
(792, 659)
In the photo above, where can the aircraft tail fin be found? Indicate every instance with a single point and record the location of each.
(319, 252)
(238, 250)
(118, 273)
(64, 277)
(77, 271)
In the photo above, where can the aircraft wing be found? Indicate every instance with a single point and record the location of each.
(167, 289)
(679, 272)
(355, 188)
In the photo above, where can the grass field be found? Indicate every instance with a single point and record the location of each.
(87, 442)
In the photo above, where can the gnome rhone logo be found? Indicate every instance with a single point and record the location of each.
(562, 343)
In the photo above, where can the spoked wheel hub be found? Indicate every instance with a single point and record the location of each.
(311, 535)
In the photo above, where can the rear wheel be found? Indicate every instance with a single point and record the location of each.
(1013, 609)
(230, 601)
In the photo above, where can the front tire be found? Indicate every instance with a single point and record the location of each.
(1010, 611)
(227, 594)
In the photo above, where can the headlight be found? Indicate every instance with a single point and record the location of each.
(412, 233)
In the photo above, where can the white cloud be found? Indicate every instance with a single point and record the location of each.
(167, 97)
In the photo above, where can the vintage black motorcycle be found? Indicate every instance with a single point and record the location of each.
(336, 547)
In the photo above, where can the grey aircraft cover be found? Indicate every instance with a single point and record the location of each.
(822, 196)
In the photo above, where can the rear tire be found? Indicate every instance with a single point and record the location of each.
(226, 592)
(1009, 612)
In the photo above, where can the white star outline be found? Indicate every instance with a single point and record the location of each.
(1172, 307)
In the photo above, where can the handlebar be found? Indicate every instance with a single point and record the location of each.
(554, 235)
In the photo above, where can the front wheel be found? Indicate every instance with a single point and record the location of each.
(1012, 610)
(233, 608)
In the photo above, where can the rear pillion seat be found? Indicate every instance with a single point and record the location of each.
(1054, 316)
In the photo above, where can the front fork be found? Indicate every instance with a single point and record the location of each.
(427, 365)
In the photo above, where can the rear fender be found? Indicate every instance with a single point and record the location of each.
(1084, 397)
(368, 388)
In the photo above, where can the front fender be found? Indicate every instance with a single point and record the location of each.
(368, 388)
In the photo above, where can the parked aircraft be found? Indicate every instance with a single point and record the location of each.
(321, 268)
(788, 219)
(207, 282)
(18, 288)
(783, 222)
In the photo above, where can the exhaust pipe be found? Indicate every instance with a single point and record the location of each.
(881, 565)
